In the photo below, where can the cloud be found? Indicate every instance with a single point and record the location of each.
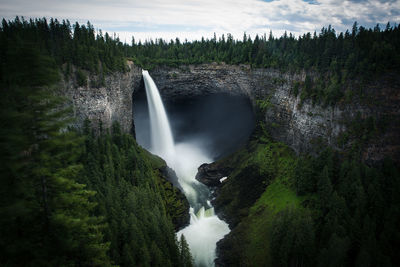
(194, 18)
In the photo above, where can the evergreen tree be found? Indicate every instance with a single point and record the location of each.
(135, 200)
(45, 213)
(185, 256)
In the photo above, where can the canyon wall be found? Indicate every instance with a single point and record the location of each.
(107, 103)
(303, 126)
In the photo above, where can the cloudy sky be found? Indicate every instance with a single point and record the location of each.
(192, 19)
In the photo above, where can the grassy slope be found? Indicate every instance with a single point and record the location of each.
(249, 241)
(276, 198)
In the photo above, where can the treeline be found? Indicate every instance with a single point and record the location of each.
(350, 53)
(66, 43)
(352, 216)
(70, 198)
(338, 65)
(335, 63)
(360, 51)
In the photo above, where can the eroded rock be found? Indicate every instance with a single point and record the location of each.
(211, 174)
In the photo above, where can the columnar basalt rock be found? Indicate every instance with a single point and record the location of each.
(305, 127)
(195, 80)
(302, 126)
(108, 103)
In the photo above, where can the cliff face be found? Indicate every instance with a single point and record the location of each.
(190, 81)
(108, 103)
(303, 126)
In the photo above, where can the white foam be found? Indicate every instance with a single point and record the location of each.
(223, 179)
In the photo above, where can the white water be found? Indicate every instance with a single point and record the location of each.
(161, 136)
(205, 228)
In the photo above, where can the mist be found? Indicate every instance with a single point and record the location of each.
(202, 129)
(219, 123)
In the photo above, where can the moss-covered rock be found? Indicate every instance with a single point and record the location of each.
(175, 202)
(257, 191)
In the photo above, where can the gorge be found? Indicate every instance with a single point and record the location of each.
(302, 126)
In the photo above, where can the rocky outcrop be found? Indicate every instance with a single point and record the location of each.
(303, 126)
(178, 205)
(108, 103)
(196, 80)
(308, 128)
(211, 174)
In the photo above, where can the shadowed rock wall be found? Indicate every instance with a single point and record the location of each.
(304, 127)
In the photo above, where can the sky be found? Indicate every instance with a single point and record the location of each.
(193, 19)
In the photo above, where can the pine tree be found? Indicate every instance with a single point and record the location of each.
(185, 255)
(45, 213)
(325, 189)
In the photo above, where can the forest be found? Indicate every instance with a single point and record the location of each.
(326, 210)
(94, 197)
(336, 59)
(70, 197)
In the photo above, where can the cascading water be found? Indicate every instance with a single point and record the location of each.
(205, 227)
(161, 135)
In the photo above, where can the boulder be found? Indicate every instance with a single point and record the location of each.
(211, 174)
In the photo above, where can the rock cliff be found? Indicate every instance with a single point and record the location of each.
(108, 103)
(303, 126)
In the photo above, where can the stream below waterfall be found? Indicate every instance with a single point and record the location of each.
(205, 228)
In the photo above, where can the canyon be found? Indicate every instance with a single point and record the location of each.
(302, 125)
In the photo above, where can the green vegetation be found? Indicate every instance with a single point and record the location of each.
(265, 218)
(349, 225)
(185, 256)
(81, 78)
(254, 168)
(328, 210)
(263, 105)
(67, 44)
(352, 52)
(46, 215)
(256, 208)
(76, 199)
(277, 197)
(339, 64)
(137, 202)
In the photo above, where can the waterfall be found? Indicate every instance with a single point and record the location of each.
(162, 142)
(205, 228)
